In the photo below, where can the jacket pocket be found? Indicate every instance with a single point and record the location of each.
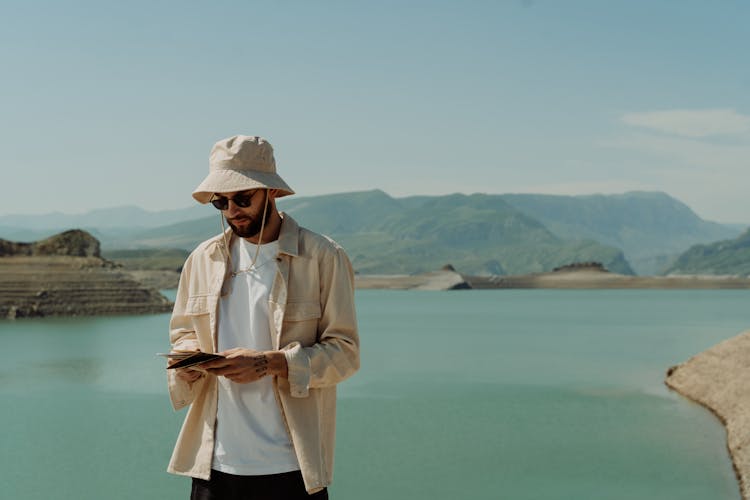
(196, 305)
(301, 323)
(197, 311)
(301, 311)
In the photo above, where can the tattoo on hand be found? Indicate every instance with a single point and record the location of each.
(261, 365)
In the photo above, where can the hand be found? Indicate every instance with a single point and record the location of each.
(243, 366)
(189, 374)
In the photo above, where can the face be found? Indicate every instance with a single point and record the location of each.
(245, 221)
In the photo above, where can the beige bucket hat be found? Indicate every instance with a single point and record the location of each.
(240, 163)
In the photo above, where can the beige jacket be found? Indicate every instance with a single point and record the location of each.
(313, 321)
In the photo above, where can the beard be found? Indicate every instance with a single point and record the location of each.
(250, 228)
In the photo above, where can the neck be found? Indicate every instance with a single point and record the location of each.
(270, 231)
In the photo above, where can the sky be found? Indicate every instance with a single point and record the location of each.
(104, 104)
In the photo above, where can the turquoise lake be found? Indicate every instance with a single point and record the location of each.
(505, 394)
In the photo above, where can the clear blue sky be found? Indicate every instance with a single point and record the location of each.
(115, 103)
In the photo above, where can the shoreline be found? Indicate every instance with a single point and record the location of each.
(591, 279)
(563, 279)
(715, 379)
(63, 285)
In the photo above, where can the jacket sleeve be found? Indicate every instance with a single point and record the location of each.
(181, 337)
(335, 356)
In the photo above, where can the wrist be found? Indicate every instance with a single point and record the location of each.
(277, 364)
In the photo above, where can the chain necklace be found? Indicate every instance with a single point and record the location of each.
(251, 267)
(254, 265)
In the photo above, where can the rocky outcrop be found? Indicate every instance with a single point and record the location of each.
(74, 243)
(717, 379)
(582, 266)
(64, 276)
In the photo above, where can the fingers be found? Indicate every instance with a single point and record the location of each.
(238, 365)
(241, 366)
(235, 351)
(215, 364)
(188, 375)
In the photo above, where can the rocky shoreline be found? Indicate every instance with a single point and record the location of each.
(65, 276)
(72, 286)
(717, 379)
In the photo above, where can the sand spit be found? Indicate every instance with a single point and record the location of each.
(438, 280)
(717, 379)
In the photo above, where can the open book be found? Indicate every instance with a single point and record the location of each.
(188, 358)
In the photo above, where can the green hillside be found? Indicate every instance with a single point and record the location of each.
(651, 228)
(487, 233)
(723, 257)
(478, 234)
(497, 234)
(343, 213)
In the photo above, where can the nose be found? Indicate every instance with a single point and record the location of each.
(232, 209)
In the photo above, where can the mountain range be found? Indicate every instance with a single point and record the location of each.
(722, 257)
(641, 232)
(651, 228)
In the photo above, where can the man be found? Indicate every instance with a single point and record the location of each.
(276, 300)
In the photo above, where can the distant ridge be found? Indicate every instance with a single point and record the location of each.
(103, 218)
(723, 257)
(479, 233)
(650, 227)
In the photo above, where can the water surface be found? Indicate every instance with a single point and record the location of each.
(519, 394)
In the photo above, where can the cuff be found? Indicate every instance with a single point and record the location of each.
(180, 392)
(298, 365)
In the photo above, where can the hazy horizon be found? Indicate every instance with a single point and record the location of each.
(110, 104)
(209, 211)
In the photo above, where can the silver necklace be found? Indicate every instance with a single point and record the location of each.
(251, 267)
(254, 262)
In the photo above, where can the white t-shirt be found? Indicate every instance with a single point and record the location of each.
(251, 438)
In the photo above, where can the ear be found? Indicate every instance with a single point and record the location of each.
(273, 193)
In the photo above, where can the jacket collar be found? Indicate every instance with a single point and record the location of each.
(289, 235)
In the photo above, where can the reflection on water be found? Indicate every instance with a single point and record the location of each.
(75, 370)
(41, 374)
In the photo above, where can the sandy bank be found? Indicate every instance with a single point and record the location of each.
(438, 280)
(717, 379)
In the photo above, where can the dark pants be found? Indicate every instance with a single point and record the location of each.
(223, 486)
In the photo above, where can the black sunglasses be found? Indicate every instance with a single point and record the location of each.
(242, 200)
